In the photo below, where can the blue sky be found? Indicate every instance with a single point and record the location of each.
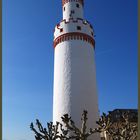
(28, 57)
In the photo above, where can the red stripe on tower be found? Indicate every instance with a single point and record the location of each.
(74, 36)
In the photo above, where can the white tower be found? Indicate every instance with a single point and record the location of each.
(74, 66)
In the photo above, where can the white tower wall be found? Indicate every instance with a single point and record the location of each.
(75, 81)
(74, 69)
(72, 6)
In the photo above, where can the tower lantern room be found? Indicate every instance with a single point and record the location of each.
(72, 9)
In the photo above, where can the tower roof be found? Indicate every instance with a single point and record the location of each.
(66, 1)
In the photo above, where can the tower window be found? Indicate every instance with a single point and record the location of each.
(92, 33)
(61, 30)
(64, 8)
(91, 26)
(77, 5)
(72, 12)
(78, 27)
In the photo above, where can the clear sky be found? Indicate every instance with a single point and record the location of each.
(28, 58)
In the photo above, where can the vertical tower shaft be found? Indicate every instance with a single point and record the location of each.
(74, 66)
(72, 9)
